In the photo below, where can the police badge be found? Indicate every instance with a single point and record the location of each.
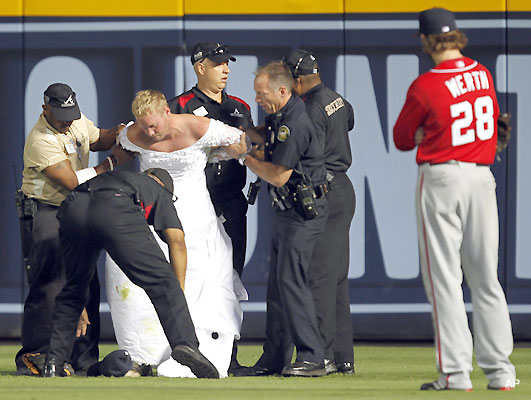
(283, 133)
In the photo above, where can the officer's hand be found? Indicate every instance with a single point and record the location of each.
(82, 324)
(258, 152)
(256, 134)
(419, 136)
(237, 149)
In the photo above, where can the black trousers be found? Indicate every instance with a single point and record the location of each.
(329, 273)
(46, 278)
(234, 210)
(111, 220)
(291, 316)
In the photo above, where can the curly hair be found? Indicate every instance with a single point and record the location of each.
(444, 41)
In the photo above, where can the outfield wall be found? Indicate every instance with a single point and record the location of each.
(368, 52)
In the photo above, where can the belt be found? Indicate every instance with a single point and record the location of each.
(40, 204)
(457, 162)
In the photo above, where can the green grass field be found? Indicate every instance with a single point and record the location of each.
(382, 372)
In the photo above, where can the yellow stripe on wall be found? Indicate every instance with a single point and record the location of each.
(11, 8)
(379, 6)
(246, 7)
(177, 8)
(103, 8)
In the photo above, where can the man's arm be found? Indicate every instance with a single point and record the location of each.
(275, 174)
(63, 174)
(177, 248)
(107, 138)
(410, 119)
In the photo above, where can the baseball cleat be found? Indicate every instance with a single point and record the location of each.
(436, 385)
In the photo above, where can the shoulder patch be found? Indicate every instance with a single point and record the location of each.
(283, 133)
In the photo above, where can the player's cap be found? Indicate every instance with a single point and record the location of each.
(116, 363)
(301, 62)
(163, 175)
(436, 21)
(213, 51)
(62, 99)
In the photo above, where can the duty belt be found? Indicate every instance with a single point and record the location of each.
(285, 199)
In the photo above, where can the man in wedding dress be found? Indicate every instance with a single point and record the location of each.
(182, 144)
(225, 179)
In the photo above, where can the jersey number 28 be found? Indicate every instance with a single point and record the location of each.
(482, 110)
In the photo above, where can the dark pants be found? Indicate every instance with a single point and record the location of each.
(234, 211)
(46, 278)
(329, 273)
(291, 316)
(111, 220)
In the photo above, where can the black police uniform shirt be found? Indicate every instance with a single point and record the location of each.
(225, 179)
(290, 139)
(333, 118)
(155, 200)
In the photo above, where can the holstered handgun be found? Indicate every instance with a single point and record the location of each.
(252, 193)
(26, 207)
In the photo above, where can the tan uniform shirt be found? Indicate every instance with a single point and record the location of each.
(45, 146)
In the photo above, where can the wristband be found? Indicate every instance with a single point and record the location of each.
(242, 157)
(111, 164)
(84, 175)
(113, 161)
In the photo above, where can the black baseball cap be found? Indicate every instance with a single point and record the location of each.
(301, 62)
(116, 363)
(436, 21)
(163, 175)
(213, 51)
(62, 99)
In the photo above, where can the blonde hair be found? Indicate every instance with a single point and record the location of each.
(444, 41)
(147, 101)
(278, 74)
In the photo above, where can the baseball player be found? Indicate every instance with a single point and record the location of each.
(451, 113)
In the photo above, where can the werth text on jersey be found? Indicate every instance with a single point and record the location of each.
(467, 82)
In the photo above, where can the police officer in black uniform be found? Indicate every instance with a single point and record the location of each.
(333, 118)
(294, 169)
(113, 211)
(225, 179)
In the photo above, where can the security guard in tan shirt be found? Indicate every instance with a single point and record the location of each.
(55, 161)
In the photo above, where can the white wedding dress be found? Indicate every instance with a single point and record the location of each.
(212, 287)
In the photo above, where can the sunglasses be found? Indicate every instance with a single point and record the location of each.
(218, 50)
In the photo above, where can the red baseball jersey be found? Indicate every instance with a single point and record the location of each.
(455, 104)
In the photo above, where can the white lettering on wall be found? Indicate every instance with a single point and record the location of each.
(513, 69)
(389, 173)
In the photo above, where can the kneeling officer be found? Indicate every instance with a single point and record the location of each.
(113, 211)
